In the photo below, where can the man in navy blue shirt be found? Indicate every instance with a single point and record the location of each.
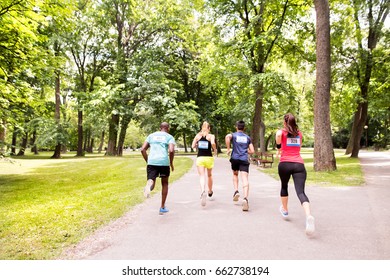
(242, 146)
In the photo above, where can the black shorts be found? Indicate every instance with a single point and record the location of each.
(154, 171)
(239, 165)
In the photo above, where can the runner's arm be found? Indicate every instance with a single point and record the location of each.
(171, 150)
(228, 138)
(144, 148)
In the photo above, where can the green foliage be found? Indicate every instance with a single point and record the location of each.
(134, 136)
(181, 61)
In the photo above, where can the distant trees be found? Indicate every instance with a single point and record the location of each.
(74, 75)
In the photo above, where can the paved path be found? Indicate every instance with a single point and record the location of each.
(351, 222)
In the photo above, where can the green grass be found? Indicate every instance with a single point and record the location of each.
(45, 209)
(348, 173)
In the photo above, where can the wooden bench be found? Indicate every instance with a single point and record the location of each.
(262, 159)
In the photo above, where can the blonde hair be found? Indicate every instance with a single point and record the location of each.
(205, 128)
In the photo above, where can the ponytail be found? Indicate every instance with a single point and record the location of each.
(291, 125)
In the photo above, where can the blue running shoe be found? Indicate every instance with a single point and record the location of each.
(163, 210)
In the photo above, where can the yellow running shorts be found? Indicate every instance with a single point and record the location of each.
(207, 162)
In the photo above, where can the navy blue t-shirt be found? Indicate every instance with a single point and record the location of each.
(241, 143)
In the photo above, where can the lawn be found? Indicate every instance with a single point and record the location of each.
(47, 205)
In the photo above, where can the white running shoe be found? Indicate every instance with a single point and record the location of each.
(236, 196)
(203, 199)
(310, 225)
(148, 188)
(283, 212)
(245, 205)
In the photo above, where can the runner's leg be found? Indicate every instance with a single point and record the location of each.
(164, 190)
(210, 179)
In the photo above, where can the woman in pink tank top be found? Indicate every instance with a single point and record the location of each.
(288, 143)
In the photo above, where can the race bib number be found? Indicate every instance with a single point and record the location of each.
(203, 144)
(241, 139)
(293, 142)
(159, 138)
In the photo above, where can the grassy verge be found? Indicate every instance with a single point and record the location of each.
(348, 173)
(48, 208)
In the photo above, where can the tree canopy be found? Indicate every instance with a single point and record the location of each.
(80, 74)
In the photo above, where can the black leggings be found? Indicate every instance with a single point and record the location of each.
(298, 172)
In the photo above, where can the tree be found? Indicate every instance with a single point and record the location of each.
(184, 119)
(19, 49)
(86, 44)
(324, 159)
(258, 29)
(363, 62)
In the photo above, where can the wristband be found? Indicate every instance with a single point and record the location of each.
(278, 146)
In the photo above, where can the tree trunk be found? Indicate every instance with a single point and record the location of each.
(91, 144)
(57, 114)
(324, 159)
(263, 146)
(112, 135)
(185, 143)
(23, 146)
(122, 135)
(34, 148)
(257, 116)
(267, 142)
(85, 143)
(13, 143)
(359, 121)
(3, 132)
(80, 133)
(101, 143)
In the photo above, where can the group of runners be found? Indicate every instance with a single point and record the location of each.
(238, 146)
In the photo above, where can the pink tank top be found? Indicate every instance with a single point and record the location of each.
(291, 148)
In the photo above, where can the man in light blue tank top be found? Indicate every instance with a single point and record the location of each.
(159, 161)
(242, 146)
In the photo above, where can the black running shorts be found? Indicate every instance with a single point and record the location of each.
(239, 165)
(154, 171)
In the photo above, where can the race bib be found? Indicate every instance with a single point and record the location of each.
(203, 144)
(241, 139)
(159, 138)
(293, 142)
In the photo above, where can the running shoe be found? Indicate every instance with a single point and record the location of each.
(245, 205)
(203, 199)
(236, 196)
(310, 226)
(163, 210)
(148, 188)
(146, 192)
(283, 212)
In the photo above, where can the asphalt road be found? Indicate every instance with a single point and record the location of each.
(352, 223)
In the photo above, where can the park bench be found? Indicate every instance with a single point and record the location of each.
(262, 159)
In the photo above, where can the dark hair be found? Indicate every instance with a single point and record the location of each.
(240, 125)
(291, 125)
